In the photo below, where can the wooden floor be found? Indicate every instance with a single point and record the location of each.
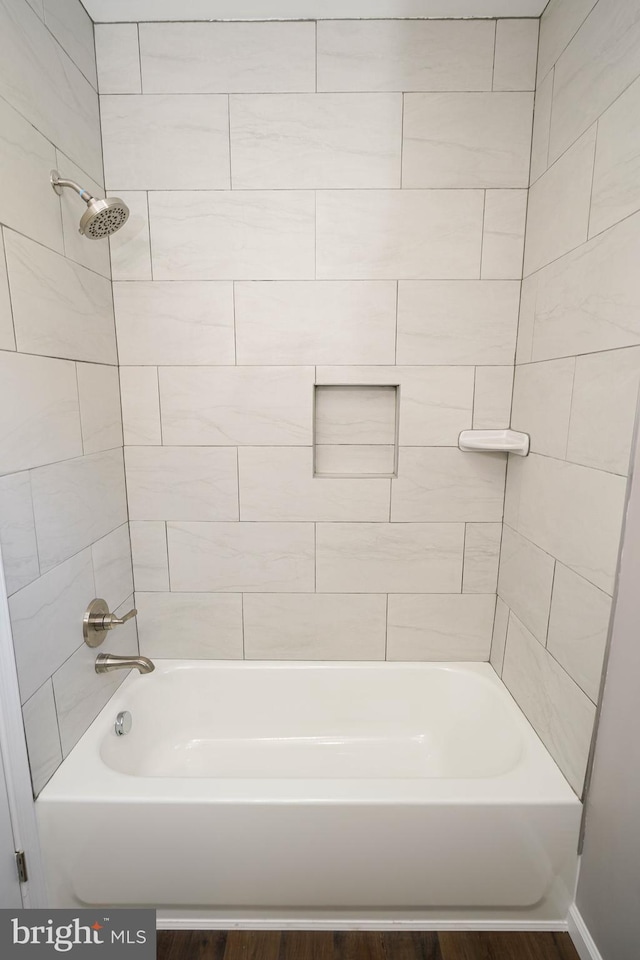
(259, 945)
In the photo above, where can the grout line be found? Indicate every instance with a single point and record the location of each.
(229, 135)
(484, 211)
(386, 629)
(6, 269)
(553, 581)
(402, 106)
(166, 541)
(84, 452)
(162, 443)
(593, 177)
(244, 652)
(237, 480)
(495, 44)
(149, 234)
(315, 23)
(139, 58)
(235, 331)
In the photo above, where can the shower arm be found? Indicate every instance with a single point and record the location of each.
(59, 182)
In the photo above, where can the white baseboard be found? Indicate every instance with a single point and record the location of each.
(582, 939)
(206, 922)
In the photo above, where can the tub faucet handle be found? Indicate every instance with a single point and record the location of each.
(98, 619)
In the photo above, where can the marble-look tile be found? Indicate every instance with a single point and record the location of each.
(18, 532)
(435, 403)
(60, 308)
(267, 57)
(72, 27)
(499, 638)
(165, 142)
(192, 626)
(277, 483)
(525, 581)
(492, 398)
(616, 178)
(389, 557)
(440, 627)
(542, 404)
(561, 714)
(130, 247)
(578, 628)
(43, 739)
(505, 214)
(354, 460)
(355, 414)
(516, 55)
(526, 319)
(176, 322)
(316, 140)
(516, 466)
(149, 554)
(99, 392)
(29, 205)
(313, 626)
(600, 62)
(140, 405)
(558, 211)
(46, 620)
(441, 483)
(541, 127)
(95, 256)
(7, 336)
(603, 409)
(481, 556)
(315, 322)
(112, 566)
(41, 81)
(236, 405)
(590, 300)
(466, 139)
(561, 21)
(458, 322)
(76, 502)
(182, 483)
(233, 235)
(231, 557)
(405, 55)
(80, 692)
(39, 412)
(398, 234)
(556, 511)
(118, 57)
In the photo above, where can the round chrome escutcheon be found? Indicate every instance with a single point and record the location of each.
(123, 724)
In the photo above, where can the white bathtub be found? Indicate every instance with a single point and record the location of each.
(300, 792)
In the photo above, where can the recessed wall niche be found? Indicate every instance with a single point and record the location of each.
(355, 430)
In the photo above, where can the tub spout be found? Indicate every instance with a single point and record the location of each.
(105, 662)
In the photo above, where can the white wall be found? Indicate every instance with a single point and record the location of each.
(577, 373)
(351, 216)
(62, 497)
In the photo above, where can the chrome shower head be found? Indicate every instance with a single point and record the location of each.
(102, 217)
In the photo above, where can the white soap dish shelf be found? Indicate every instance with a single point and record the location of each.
(494, 441)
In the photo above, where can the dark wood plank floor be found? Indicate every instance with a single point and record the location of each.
(294, 945)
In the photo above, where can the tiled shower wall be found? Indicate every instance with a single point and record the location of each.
(577, 373)
(334, 203)
(63, 508)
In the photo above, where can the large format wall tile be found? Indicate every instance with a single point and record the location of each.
(100, 414)
(72, 27)
(542, 404)
(398, 234)
(112, 566)
(389, 557)
(561, 714)
(481, 556)
(232, 557)
(39, 412)
(560, 23)
(616, 178)
(177, 322)
(541, 127)
(59, 308)
(277, 483)
(525, 581)
(298, 141)
(438, 483)
(190, 626)
(149, 554)
(165, 142)
(76, 502)
(228, 57)
(446, 627)
(182, 483)
(140, 398)
(236, 405)
(41, 81)
(329, 321)
(232, 235)
(457, 322)
(499, 638)
(514, 66)
(466, 139)
(46, 620)
(18, 532)
(43, 739)
(503, 234)
(313, 626)
(118, 57)
(131, 247)
(492, 398)
(405, 55)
